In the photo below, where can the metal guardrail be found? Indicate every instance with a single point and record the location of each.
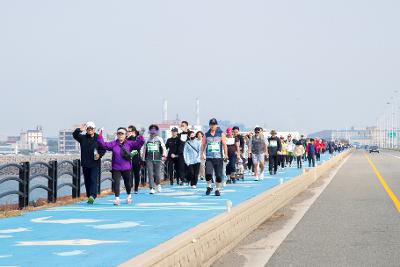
(53, 170)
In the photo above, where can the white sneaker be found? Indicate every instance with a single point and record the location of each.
(129, 200)
(256, 178)
(158, 188)
(194, 187)
(117, 202)
(262, 176)
(152, 191)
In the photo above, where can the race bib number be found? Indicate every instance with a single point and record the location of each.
(153, 147)
(183, 137)
(214, 147)
(230, 141)
(273, 143)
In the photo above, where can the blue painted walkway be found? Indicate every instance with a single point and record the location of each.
(105, 235)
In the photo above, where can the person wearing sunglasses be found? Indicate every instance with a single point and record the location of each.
(154, 153)
(91, 154)
(257, 151)
(121, 165)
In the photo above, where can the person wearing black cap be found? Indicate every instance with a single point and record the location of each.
(133, 135)
(182, 167)
(172, 145)
(274, 146)
(214, 151)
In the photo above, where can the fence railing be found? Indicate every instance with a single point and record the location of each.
(52, 171)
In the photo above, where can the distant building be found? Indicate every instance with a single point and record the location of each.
(66, 143)
(12, 139)
(9, 149)
(33, 140)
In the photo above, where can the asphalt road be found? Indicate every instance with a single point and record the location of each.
(353, 222)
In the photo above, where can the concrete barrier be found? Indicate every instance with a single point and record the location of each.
(205, 243)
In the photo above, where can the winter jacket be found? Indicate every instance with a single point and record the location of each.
(135, 153)
(274, 145)
(172, 145)
(290, 146)
(154, 149)
(299, 150)
(311, 150)
(89, 145)
(284, 151)
(119, 163)
(183, 137)
(192, 152)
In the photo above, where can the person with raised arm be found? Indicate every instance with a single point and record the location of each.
(121, 165)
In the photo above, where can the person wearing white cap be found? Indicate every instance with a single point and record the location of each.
(91, 154)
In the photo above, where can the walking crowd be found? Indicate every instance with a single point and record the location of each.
(188, 156)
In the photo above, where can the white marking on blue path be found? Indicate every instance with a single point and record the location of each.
(14, 230)
(65, 221)
(5, 256)
(70, 253)
(72, 242)
(121, 225)
(164, 204)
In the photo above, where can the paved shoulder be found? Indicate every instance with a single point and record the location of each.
(352, 223)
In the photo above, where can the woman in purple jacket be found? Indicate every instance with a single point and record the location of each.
(121, 160)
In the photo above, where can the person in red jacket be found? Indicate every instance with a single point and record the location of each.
(318, 148)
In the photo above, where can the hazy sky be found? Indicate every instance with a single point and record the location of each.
(301, 64)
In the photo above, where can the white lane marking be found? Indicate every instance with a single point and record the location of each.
(394, 156)
(65, 221)
(69, 253)
(14, 230)
(72, 242)
(260, 252)
(142, 209)
(121, 225)
(173, 204)
(5, 236)
(5, 256)
(181, 193)
(187, 197)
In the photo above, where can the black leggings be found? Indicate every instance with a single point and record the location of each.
(299, 161)
(273, 163)
(214, 166)
(290, 159)
(311, 160)
(126, 175)
(135, 174)
(172, 167)
(193, 173)
(182, 170)
(282, 161)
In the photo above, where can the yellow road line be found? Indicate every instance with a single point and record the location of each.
(389, 191)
